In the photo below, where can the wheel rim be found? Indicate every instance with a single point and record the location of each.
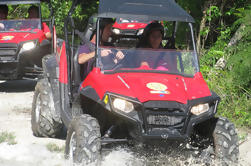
(72, 147)
(38, 108)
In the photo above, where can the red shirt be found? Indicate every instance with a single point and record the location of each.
(45, 27)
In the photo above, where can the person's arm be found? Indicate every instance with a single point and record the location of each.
(84, 57)
(2, 26)
(47, 31)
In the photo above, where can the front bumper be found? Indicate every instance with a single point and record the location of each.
(16, 64)
(167, 120)
(9, 52)
(179, 132)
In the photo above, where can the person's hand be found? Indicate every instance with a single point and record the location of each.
(120, 55)
(105, 52)
(144, 64)
(1, 26)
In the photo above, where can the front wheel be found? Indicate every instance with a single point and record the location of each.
(83, 142)
(225, 141)
(219, 135)
(43, 115)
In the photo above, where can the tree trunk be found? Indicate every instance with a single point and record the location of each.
(223, 3)
(221, 63)
(202, 25)
(206, 6)
(237, 36)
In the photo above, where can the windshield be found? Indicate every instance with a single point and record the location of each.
(20, 17)
(121, 21)
(148, 60)
(166, 47)
(20, 25)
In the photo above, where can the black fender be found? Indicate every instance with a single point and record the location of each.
(51, 72)
(50, 66)
(90, 93)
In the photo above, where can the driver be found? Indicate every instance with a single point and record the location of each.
(3, 14)
(33, 13)
(86, 51)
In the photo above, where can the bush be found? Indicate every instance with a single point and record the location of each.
(233, 83)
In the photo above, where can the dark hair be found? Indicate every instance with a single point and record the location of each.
(33, 7)
(4, 8)
(104, 22)
(154, 26)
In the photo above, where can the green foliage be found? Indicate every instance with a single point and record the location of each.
(60, 9)
(7, 137)
(213, 12)
(233, 84)
(81, 14)
(18, 11)
(45, 10)
(217, 50)
(240, 65)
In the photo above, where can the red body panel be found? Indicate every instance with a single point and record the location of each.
(17, 37)
(179, 88)
(63, 74)
(123, 26)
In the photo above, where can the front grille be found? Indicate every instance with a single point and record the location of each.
(8, 51)
(165, 117)
(164, 120)
(129, 31)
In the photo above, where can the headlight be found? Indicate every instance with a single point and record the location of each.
(140, 32)
(28, 46)
(123, 105)
(199, 109)
(116, 31)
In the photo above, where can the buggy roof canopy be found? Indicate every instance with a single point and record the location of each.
(2, 2)
(166, 10)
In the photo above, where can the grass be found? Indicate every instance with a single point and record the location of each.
(243, 134)
(242, 137)
(7, 137)
(52, 147)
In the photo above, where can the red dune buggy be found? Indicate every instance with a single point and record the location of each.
(22, 42)
(121, 100)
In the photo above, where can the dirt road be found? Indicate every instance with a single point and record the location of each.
(15, 108)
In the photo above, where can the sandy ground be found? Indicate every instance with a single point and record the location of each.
(15, 106)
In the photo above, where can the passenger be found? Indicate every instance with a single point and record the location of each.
(3, 15)
(3, 12)
(152, 38)
(33, 12)
(87, 51)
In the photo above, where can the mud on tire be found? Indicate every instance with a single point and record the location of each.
(43, 116)
(225, 141)
(83, 140)
(219, 135)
